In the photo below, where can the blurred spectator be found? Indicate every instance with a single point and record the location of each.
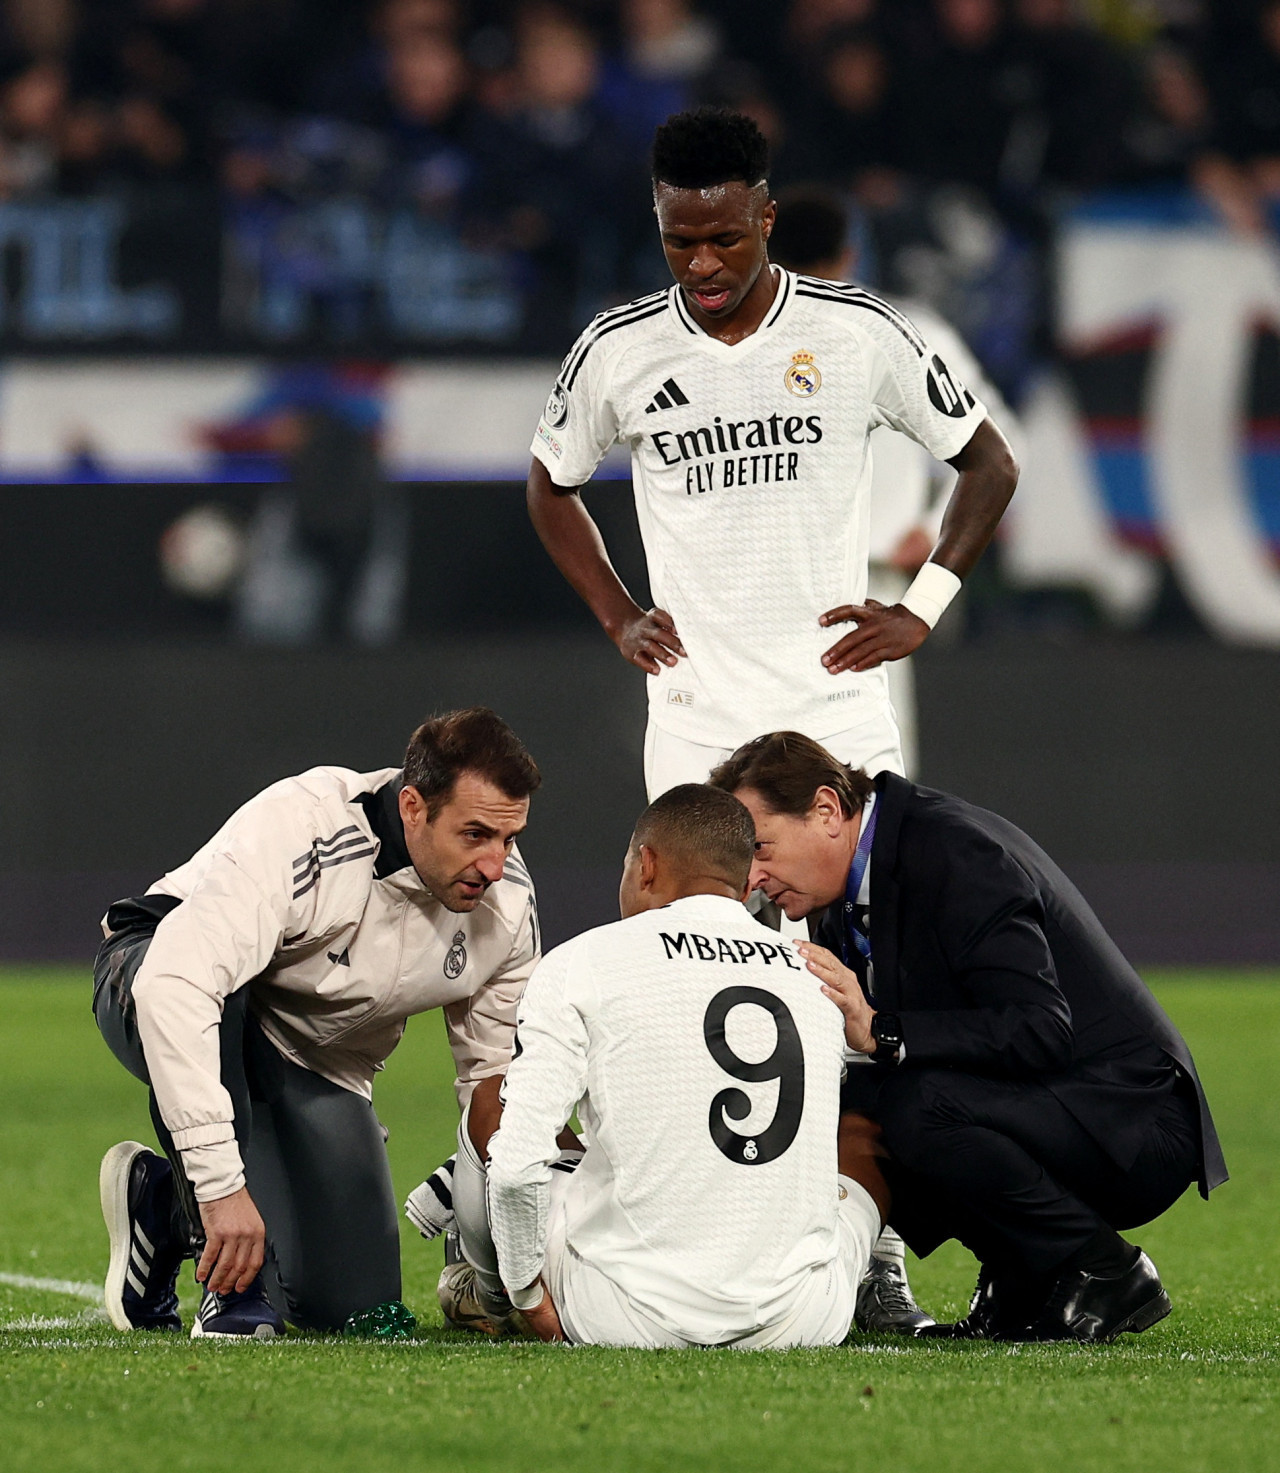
(1172, 125)
(960, 96)
(412, 89)
(1074, 91)
(555, 177)
(426, 90)
(810, 23)
(401, 21)
(32, 101)
(1241, 174)
(666, 49)
(148, 64)
(356, 86)
(195, 55)
(40, 27)
(327, 554)
(849, 133)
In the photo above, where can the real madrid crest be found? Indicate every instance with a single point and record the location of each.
(803, 378)
(456, 957)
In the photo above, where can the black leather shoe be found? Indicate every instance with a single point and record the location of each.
(886, 1303)
(1086, 1307)
(1002, 1308)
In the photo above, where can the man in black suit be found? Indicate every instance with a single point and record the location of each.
(1032, 1095)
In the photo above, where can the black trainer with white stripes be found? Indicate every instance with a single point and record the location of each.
(246, 1316)
(147, 1248)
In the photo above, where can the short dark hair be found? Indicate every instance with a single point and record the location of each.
(709, 146)
(811, 229)
(475, 740)
(702, 829)
(787, 769)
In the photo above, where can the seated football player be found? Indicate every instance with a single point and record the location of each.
(259, 987)
(721, 1199)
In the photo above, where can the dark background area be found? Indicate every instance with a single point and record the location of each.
(131, 726)
(81, 561)
(1148, 772)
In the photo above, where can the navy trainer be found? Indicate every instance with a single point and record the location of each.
(136, 1189)
(247, 1316)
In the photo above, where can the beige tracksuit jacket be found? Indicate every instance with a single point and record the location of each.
(307, 897)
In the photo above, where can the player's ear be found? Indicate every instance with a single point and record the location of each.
(827, 810)
(648, 867)
(413, 807)
(768, 218)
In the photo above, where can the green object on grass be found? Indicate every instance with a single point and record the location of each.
(389, 1321)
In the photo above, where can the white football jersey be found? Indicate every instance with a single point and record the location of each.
(705, 1066)
(752, 482)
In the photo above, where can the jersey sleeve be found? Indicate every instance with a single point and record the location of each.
(913, 389)
(546, 1080)
(579, 423)
(482, 1027)
(221, 936)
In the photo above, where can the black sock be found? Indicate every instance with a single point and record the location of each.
(1106, 1255)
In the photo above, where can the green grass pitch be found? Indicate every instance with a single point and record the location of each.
(1199, 1392)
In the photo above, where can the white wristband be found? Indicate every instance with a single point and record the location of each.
(530, 1297)
(931, 591)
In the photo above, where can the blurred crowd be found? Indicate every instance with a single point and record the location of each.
(539, 109)
(523, 125)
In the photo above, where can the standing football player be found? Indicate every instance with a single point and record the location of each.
(747, 395)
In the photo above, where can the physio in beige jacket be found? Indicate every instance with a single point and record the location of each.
(260, 987)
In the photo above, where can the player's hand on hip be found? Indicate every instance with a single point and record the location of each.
(234, 1245)
(650, 641)
(841, 985)
(884, 632)
(543, 1319)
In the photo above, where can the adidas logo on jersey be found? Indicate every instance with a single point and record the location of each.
(669, 396)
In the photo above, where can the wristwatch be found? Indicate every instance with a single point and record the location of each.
(886, 1029)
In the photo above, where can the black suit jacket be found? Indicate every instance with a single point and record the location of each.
(996, 965)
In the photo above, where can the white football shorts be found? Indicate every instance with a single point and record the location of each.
(669, 760)
(595, 1311)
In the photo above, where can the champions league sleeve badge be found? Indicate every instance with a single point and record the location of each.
(802, 378)
(556, 414)
(456, 957)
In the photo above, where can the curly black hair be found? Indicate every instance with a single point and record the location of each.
(709, 146)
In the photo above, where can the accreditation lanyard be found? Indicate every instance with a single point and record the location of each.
(852, 889)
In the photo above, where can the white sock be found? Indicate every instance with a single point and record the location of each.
(890, 1247)
(471, 1211)
(429, 1207)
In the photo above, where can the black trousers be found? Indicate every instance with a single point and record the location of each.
(314, 1156)
(1002, 1166)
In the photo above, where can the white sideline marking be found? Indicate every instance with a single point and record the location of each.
(72, 1288)
(57, 1322)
